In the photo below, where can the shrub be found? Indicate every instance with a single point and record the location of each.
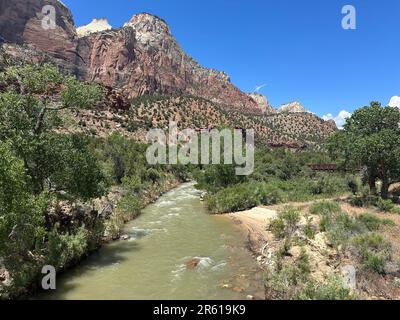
(65, 249)
(341, 228)
(332, 289)
(324, 208)
(372, 222)
(396, 210)
(309, 229)
(153, 175)
(374, 251)
(286, 223)
(129, 207)
(236, 198)
(385, 205)
(277, 227)
(327, 184)
(354, 183)
(304, 262)
(270, 194)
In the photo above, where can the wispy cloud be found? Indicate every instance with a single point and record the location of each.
(258, 88)
(340, 119)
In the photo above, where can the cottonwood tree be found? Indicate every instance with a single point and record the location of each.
(37, 162)
(31, 105)
(371, 139)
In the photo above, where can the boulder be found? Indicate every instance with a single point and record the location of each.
(192, 263)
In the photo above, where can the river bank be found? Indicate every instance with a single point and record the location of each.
(332, 268)
(254, 224)
(105, 210)
(155, 262)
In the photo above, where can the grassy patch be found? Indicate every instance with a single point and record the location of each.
(374, 251)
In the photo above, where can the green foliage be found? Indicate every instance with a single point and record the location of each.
(324, 208)
(309, 229)
(285, 224)
(236, 198)
(331, 289)
(371, 138)
(29, 113)
(293, 281)
(129, 207)
(217, 177)
(304, 263)
(372, 222)
(21, 216)
(65, 249)
(374, 251)
(385, 205)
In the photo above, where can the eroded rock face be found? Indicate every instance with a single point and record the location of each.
(292, 107)
(21, 23)
(262, 102)
(144, 58)
(97, 25)
(139, 59)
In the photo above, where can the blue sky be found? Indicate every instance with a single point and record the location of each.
(297, 48)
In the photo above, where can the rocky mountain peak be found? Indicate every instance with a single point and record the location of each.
(262, 102)
(292, 107)
(148, 23)
(97, 25)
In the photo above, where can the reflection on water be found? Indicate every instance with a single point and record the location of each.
(152, 264)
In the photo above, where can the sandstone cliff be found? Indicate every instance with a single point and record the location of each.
(140, 58)
(292, 107)
(143, 59)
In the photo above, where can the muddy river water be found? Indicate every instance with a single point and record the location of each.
(153, 263)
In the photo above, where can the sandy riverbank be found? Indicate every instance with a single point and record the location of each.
(254, 222)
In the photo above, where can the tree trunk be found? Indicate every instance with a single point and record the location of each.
(385, 188)
(372, 185)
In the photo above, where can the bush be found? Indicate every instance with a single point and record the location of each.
(277, 227)
(396, 210)
(341, 229)
(304, 262)
(332, 289)
(364, 201)
(328, 184)
(372, 222)
(324, 208)
(129, 207)
(374, 251)
(385, 205)
(236, 198)
(66, 249)
(286, 223)
(309, 229)
(270, 194)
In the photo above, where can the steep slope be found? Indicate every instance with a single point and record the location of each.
(292, 107)
(143, 59)
(21, 23)
(292, 130)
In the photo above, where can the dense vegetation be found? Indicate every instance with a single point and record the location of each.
(50, 181)
(280, 176)
(371, 139)
(46, 177)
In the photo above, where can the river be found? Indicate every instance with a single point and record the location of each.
(152, 264)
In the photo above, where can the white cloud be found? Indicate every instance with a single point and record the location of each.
(258, 88)
(395, 102)
(340, 119)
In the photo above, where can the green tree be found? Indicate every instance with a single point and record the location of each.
(371, 139)
(30, 111)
